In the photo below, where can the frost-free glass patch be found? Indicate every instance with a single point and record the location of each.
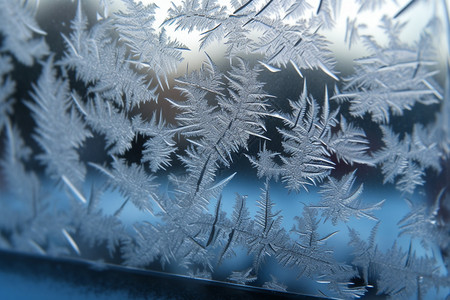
(292, 145)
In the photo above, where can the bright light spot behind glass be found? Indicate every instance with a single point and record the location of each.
(416, 18)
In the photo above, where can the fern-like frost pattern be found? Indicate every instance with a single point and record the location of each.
(125, 154)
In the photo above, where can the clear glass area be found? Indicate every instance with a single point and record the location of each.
(301, 146)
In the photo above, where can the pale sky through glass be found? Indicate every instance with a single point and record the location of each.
(419, 16)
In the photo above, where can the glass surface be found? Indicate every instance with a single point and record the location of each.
(292, 145)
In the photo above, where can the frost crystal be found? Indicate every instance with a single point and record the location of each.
(118, 147)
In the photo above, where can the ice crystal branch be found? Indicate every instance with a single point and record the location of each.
(398, 274)
(376, 87)
(339, 202)
(279, 42)
(407, 159)
(150, 51)
(60, 130)
(19, 27)
(102, 62)
(308, 143)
